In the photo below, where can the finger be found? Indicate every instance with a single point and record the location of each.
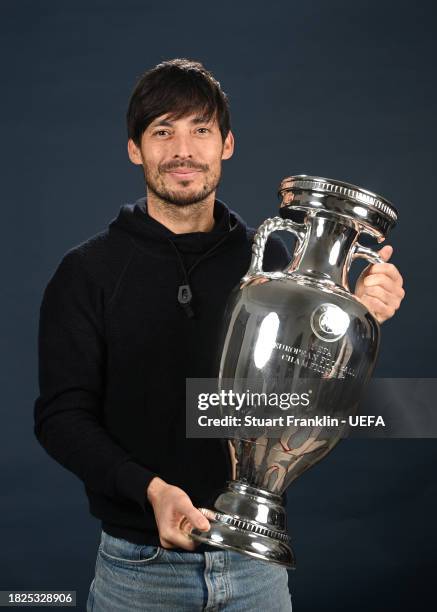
(193, 515)
(178, 535)
(197, 519)
(384, 281)
(178, 539)
(380, 310)
(388, 269)
(255, 281)
(387, 297)
(185, 526)
(378, 292)
(379, 279)
(386, 252)
(165, 543)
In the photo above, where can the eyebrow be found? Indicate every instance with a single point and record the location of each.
(195, 121)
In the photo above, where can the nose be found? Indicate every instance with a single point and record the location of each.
(182, 147)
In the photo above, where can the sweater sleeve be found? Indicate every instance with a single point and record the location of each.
(68, 414)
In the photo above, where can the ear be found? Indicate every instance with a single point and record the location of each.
(134, 153)
(228, 146)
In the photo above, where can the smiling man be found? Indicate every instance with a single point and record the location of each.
(181, 186)
(130, 314)
(182, 181)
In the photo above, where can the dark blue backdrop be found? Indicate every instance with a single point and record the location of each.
(341, 89)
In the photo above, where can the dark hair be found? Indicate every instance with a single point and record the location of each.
(179, 87)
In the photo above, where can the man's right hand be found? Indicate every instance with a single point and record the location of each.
(171, 505)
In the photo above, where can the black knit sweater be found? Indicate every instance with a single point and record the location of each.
(115, 348)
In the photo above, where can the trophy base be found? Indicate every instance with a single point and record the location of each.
(250, 521)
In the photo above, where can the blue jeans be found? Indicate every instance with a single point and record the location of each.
(133, 578)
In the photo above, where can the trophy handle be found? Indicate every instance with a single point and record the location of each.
(273, 224)
(359, 251)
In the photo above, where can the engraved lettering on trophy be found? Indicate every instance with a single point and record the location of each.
(319, 360)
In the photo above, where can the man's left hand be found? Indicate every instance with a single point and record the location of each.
(379, 287)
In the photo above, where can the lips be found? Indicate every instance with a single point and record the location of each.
(184, 173)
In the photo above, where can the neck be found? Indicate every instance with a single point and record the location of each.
(327, 250)
(198, 217)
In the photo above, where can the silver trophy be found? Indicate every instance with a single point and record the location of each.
(284, 328)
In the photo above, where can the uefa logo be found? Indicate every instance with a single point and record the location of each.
(329, 322)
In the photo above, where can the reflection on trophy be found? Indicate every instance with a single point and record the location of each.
(284, 328)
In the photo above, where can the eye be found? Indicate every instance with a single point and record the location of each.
(203, 130)
(160, 132)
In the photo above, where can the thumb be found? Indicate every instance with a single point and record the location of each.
(386, 252)
(200, 521)
(194, 516)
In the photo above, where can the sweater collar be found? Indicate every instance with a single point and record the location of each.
(147, 231)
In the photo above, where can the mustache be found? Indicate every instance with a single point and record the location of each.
(183, 164)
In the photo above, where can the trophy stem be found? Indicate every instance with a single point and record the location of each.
(251, 521)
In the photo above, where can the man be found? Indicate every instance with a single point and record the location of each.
(126, 318)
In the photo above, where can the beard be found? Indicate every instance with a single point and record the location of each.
(181, 196)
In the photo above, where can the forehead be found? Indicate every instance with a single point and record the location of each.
(171, 118)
